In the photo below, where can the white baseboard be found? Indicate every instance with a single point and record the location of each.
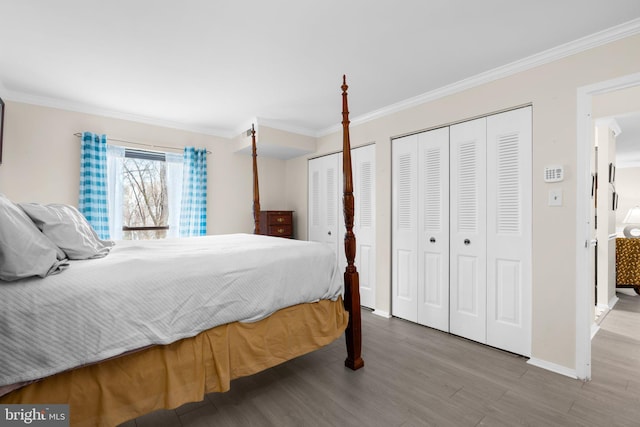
(594, 329)
(558, 369)
(601, 312)
(381, 313)
(604, 310)
(609, 306)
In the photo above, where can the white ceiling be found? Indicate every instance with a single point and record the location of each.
(215, 66)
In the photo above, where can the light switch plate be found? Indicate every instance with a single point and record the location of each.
(555, 197)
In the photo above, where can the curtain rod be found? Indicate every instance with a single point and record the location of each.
(78, 134)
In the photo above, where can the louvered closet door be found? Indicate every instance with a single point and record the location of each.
(323, 200)
(404, 244)
(326, 220)
(433, 226)
(468, 230)
(364, 162)
(509, 231)
(342, 230)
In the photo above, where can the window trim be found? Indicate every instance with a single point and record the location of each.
(133, 153)
(145, 228)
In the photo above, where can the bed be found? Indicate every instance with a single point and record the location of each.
(628, 263)
(162, 348)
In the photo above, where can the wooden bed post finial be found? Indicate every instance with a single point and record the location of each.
(353, 334)
(256, 190)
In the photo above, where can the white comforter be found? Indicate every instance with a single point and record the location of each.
(154, 292)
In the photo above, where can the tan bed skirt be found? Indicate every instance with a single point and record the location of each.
(119, 389)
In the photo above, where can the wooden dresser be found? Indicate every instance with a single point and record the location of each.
(277, 223)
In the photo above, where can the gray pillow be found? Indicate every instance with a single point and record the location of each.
(66, 227)
(24, 250)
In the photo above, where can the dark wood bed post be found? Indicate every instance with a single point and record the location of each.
(353, 334)
(256, 190)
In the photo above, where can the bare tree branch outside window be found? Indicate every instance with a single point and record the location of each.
(145, 202)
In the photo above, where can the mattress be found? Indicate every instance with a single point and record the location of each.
(154, 292)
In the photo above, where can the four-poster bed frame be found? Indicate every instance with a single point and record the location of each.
(256, 188)
(353, 334)
(108, 392)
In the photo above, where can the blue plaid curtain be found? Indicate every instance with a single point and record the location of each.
(93, 182)
(193, 210)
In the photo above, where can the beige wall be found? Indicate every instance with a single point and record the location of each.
(552, 90)
(41, 162)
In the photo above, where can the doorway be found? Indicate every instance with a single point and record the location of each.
(584, 262)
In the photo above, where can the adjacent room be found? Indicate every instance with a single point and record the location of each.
(202, 203)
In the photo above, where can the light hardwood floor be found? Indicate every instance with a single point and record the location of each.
(416, 376)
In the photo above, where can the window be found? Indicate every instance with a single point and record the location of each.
(145, 207)
(144, 193)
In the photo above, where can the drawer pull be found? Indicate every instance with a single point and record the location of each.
(280, 230)
(280, 219)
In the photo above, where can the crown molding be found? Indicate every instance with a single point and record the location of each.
(88, 109)
(609, 35)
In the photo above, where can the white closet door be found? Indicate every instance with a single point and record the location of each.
(509, 231)
(404, 244)
(326, 214)
(468, 230)
(364, 163)
(323, 200)
(342, 230)
(433, 226)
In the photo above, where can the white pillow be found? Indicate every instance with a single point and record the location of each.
(24, 250)
(66, 227)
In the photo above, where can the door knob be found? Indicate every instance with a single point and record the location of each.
(432, 240)
(467, 241)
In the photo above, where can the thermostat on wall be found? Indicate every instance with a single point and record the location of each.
(554, 173)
